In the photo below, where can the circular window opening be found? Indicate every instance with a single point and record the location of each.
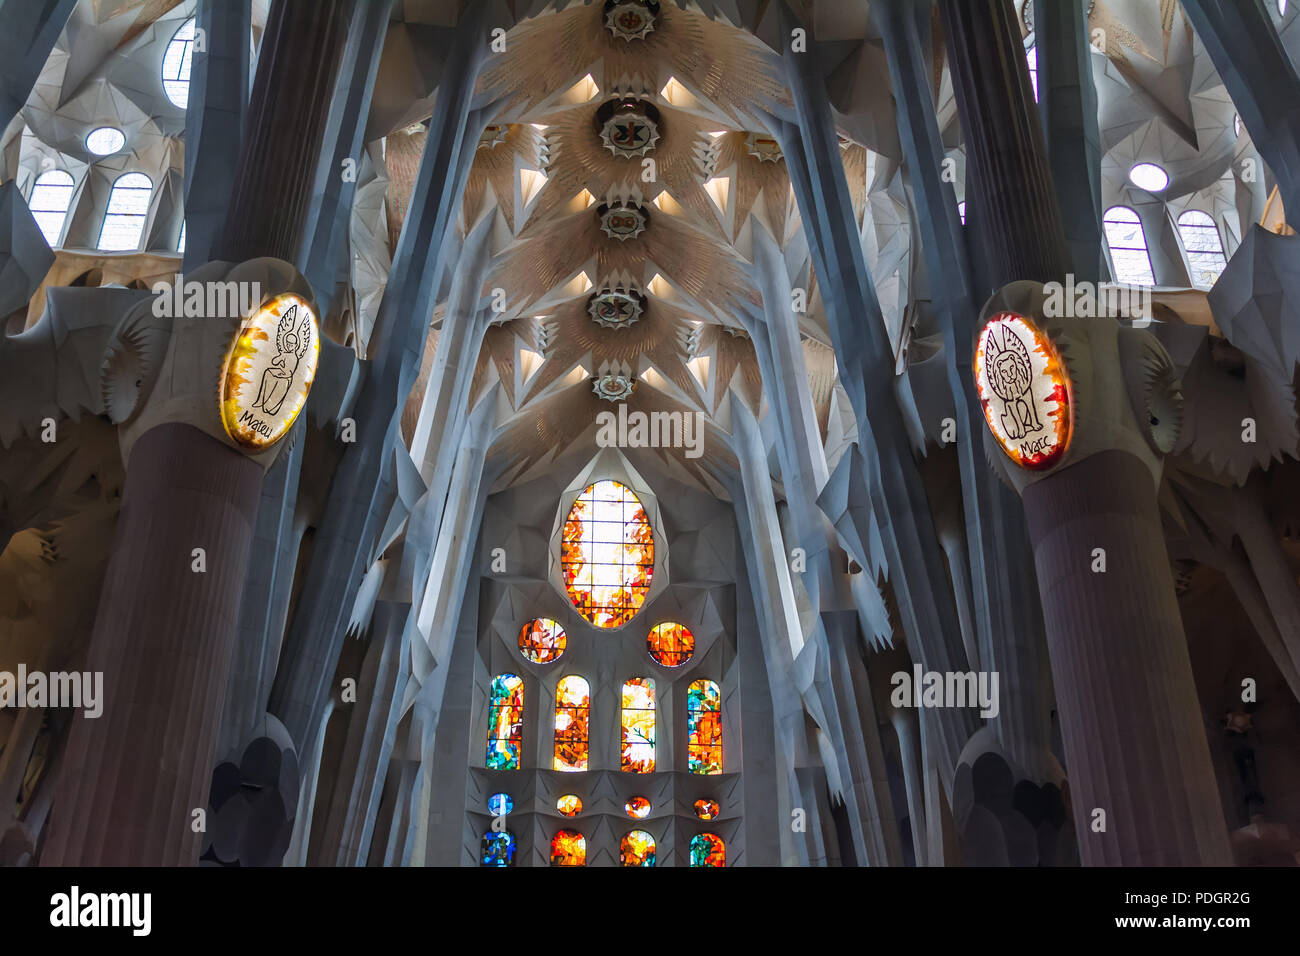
(1148, 176)
(105, 140)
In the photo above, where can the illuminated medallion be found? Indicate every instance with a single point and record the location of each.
(569, 805)
(614, 387)
(622, 220)
(638, 808)
(707, 809)
(628, 126)
(615, 308)
(631, 19)
(542, 640)
(766, 148)
(269, 371)
(1024, 390)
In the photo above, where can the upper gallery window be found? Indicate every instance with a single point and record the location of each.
(670, 644)
(176, 65)
(607, 554)
(572, 708)
(1205, 256)
(1128, 246)
(128, 207)
(703, 728)
(505, 735)
(49, 201)
(105, 140)
(638, 726)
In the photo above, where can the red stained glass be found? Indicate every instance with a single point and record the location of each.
(569, 805)
(637, 849)
(707, 849)
(703, 728)
(568, 848)
(638, 808)
(607, 554)
(542, 640)
(572, 707)
(671, 644)
(707, 809)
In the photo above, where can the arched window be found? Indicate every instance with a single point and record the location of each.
(128, 206)
(1205, 258)
(505, 722)
(568, 848)
(572, 702)
(704, 728)
(49, 201)
(638, 721)
(707, 849)
(1128, 246)
(607, 554)
(498, 849)
(637, 849)
(176, 65)
(670, 644)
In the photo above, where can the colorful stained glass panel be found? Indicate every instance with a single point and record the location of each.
(637, 849)
(638, 808)
(607, 554)
(638, 722)
(499, 804)
(671, 644)
(499, 849)
(569, 805)
(568, 848)
(505, 722)
(542, 640)
(572, 707)
(707, 809)
(704, 728)
(707, 849)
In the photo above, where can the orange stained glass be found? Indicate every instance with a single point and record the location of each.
(638, 808)
(569, 805)
(505, 722)
(707, 849)
(638, 721)
(707, 809)
(607, 554)
(572, 706)
(542, 640)
(670, 644)
(703, 728)
(637, 849)
(568, 848)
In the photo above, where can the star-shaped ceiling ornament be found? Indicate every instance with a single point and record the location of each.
(631, 19)
(616, 308)
(614, 381)
(628, 126)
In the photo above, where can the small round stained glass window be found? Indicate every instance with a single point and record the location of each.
(542, 640)
(499, 804)
(569, 805)
(670, 644)
(707, 809)
(638, 808)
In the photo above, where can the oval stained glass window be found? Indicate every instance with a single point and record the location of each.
(707, 849)
(638, 808)
(542, 640)
(637, 849)
(568, 848)
(670, 644)
(707, 809)
(569, 805)
(607, 554)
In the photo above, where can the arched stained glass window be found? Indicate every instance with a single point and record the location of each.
(128, 207)
(505, 722)
(49, 201)
(568, 848)
(607, 554)
(707, 849)
(176, 65)
(704, 727)
(1128, 246)
(671, 644)
(499, 849)
(542, 640)
(637, 849)
(1205, 258)
(638, 721)
(572, 704)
